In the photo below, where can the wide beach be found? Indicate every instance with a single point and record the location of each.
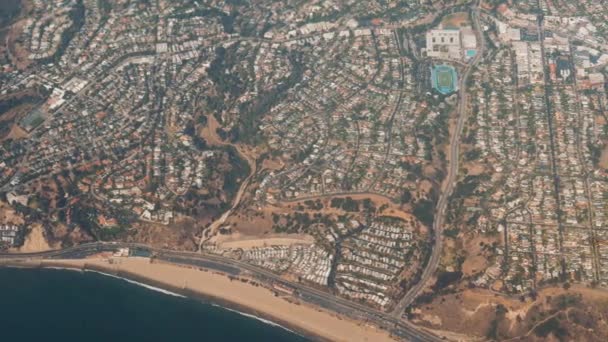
(233, 293)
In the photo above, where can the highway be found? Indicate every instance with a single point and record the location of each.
(548, 89)
(448, 185)
(403, 329)
(392, 321)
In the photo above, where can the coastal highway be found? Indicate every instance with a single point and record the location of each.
(392, 321)
(400, 328)
(450, 181)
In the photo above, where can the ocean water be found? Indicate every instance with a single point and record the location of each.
(61, 305)
(8, 10)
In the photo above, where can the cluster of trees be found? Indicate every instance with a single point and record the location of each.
(86, 217)
(239, 170)
(350, 205)
(12, 102)
(596, 152)
(251, 112)
(226, 83)
(424, 210)
(445, 279)
(493, 332)
(467, 186)
(299, 222)
(313, 205)
(406, 197)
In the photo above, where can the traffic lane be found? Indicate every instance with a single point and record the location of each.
(321, 299)
(200, 263)
(79, 253)
(398, 328)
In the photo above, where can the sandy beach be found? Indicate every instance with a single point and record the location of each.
(233, 293)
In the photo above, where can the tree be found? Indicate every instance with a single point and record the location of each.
(406, 197)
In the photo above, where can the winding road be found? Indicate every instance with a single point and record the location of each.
(448, 185)
(399, 328)
(210, 230)
(392, 321)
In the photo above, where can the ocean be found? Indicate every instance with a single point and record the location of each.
(63, 305)
(8, 10)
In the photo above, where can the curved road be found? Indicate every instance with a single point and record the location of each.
(402, 329)
(391, 321)
(440, 212)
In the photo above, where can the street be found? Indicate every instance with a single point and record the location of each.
(397, 327)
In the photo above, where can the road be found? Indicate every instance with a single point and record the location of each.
(552, 143)
(448, 185)
(391, 321)
(403, 329)
(587, 178)
(208, 232)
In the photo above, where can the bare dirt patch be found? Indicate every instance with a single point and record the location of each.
(178, 235)
(384, 205)
(272, 164)
(475, 313)
(209, 132)
(457, 314)
(456, 20)
(475, 169)
(9, 216)
(248, 242)
(35, 241)
(476, 260)
(17, 133)
(251, 222)
(425, 186)
(474, 264)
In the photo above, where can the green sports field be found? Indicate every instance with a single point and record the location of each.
(444, 78)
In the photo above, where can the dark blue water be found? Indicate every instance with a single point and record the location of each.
(9, 9)
(55, 305)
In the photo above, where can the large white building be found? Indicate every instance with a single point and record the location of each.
(528, 56)
(451, 43)
(468, 38)
(444, 44)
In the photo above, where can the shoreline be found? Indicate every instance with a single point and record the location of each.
(170, 293)
(239, 294)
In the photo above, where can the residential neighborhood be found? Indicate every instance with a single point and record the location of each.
(437, 169)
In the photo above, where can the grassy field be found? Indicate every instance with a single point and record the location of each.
(444, 79)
